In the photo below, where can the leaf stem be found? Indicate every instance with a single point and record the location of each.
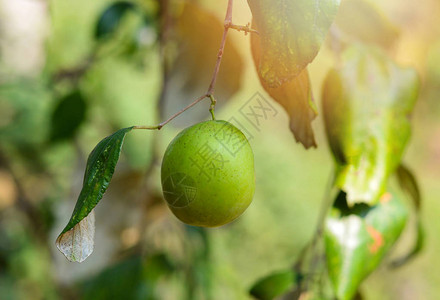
(181, 111)
(210, 93)
(147, 127)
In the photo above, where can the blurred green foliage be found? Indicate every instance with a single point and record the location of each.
(68, 115)
(274, 285)
(141, 250)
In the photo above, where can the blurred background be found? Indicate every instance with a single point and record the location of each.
(73, 72)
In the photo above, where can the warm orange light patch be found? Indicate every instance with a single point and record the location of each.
(377, 239)
(386, 198)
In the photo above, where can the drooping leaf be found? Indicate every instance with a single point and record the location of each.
(409, 185)
(366, 106)
(361, 20)
(274, 285)
(68, 115)
(111, 18)
(357, 238)
(101, 165)
(296, 98)
(291, 33)
(197, 41)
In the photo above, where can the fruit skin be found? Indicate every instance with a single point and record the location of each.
(208, 175)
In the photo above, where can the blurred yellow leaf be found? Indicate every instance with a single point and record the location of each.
(362, 20)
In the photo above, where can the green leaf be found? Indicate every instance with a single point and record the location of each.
(67, 117)
(291, 33)
(296, 98)
(274, 285)
(101, 165)
(99, 171)
(111, 18)
(357, 238)
(366, 107)
(361, 20)
(409, 184)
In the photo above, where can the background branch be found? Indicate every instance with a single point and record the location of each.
(210, 93)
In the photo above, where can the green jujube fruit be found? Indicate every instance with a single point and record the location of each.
(208, 176)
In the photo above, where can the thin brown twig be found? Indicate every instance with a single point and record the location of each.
(76, 73)
(228, 22)
(159, 127)
(210, 93)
